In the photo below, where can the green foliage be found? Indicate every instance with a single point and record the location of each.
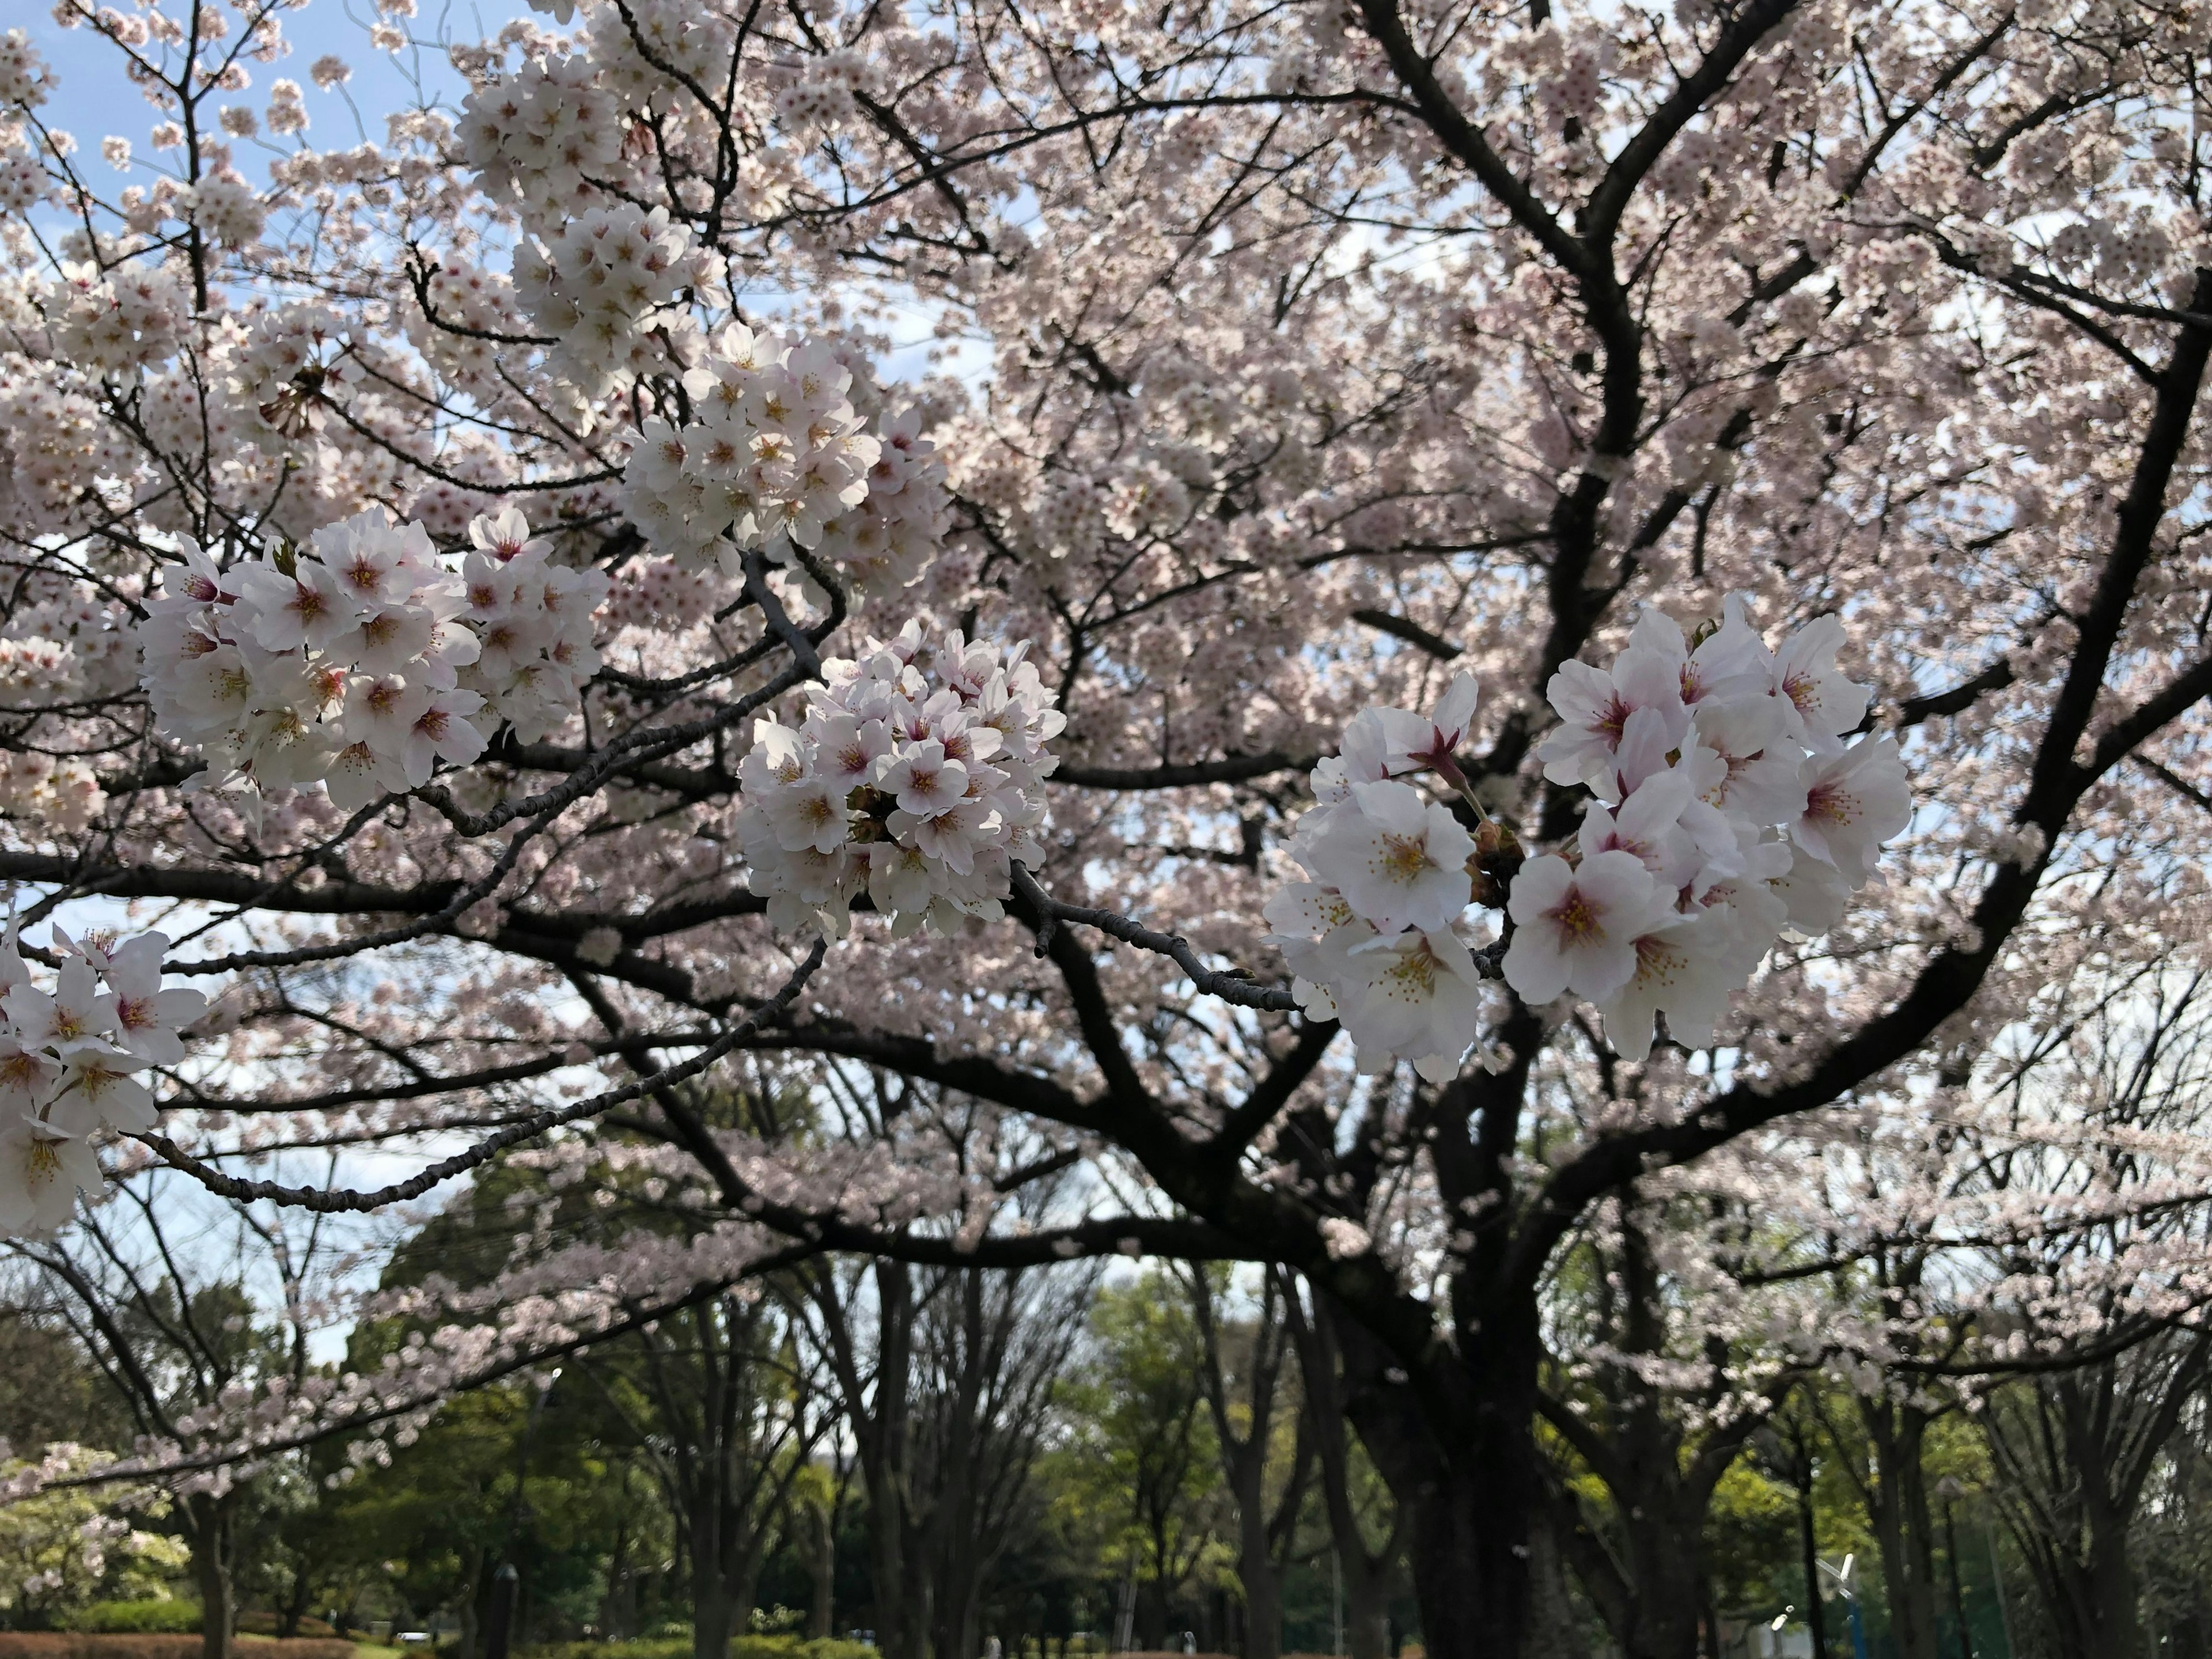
(44, 1569)
(94, 1644)
(433, 1524)
(679, 1647)
(1751, 1540)
(1139, 1457)
(50, 1391)
(146, 1615)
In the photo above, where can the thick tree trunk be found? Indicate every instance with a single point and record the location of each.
(1904, 1526)
(1366, 1609)
(1816, 1616)
(897, 1571)
(1465, 1474)
(715, 1611)
(821, 1615)
(1152, 1611)
(955, 1546)
(211, 1538)
(2116, 1628)
(713, 1618)
(954, 1630)
(1555, 1624)
(1244, 1453)
(1255, 1572)
(1649, 1584)
(297, 1596)
(1366, 1572)
(1470, 1553)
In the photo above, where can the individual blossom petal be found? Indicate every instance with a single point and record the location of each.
(29, 1078)
(360, 773)
(924, 780)
(507, 535)
(42, 1168)
(901, 879)
(1400, 860)
(852, 752)
(96, 1080)
(1648, 825)
(199, 582)
(441, 731)
(1594, 706)
(810, 813)
(391, 639)
(1381, 743)
(77, 1012)
(1418, 998)
(954, 837)
(778, 755)
(1575, 926)
(1821, 704)
(376, 560)
(1685, 970)
(305, 610)
(1751, 736)
(1813, 892)
(1733, 661)
(380, 710)
(1855, 800)
(149, 1024)
(1317, 934)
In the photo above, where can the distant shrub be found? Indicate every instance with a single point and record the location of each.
(663, 1647)
(107, 1645)
(166, 1615)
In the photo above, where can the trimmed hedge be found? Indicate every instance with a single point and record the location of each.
(167, 1615)
(104, 1644)
(679, 1647)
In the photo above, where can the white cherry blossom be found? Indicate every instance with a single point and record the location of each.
(1576, 926)
(1855, 800)
(1400, 861)
(1417, 995)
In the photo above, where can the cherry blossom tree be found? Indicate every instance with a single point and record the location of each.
(166, 1302)
(1479, 605)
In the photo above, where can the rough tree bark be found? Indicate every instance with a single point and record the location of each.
(210, 1528)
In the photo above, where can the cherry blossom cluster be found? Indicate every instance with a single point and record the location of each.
(598, 283)
(23, 76)
(23, 180)
(343, 663)
(886, 540)
(67, 1055)
(917, 775)
(62, 450)
(472, 307)
(120, 320)
(544, 131)
(270, 358)
(777, 455)
(1729, 806)
(533, 621)
(63, 642)
(63, 793)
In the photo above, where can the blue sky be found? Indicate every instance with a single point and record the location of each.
(93, 101)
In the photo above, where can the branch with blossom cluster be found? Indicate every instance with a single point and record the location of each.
(1259, 395)
(1728, 808)
(68, 1053)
